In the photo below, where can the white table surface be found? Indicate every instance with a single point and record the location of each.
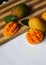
(19, 52)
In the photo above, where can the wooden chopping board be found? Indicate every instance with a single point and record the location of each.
(38, 6)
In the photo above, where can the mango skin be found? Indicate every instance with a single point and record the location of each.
(35, 22)
(20, 10)
(9, 18)
(44, 16)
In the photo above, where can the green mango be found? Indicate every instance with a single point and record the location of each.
(20, 10)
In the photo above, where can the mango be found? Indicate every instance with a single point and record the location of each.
(44, 15)
(34, 36)
(20, 10)
(37, 23)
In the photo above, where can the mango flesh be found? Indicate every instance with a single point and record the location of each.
(20, 10)
(35, 22)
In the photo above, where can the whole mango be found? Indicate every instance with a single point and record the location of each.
(20, 10)
(35, 22)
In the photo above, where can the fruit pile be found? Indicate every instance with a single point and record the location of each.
(12, 26)
(37, 25)
(37, 30)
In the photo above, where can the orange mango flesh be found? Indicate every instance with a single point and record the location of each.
(11, 29)
(34, 36)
